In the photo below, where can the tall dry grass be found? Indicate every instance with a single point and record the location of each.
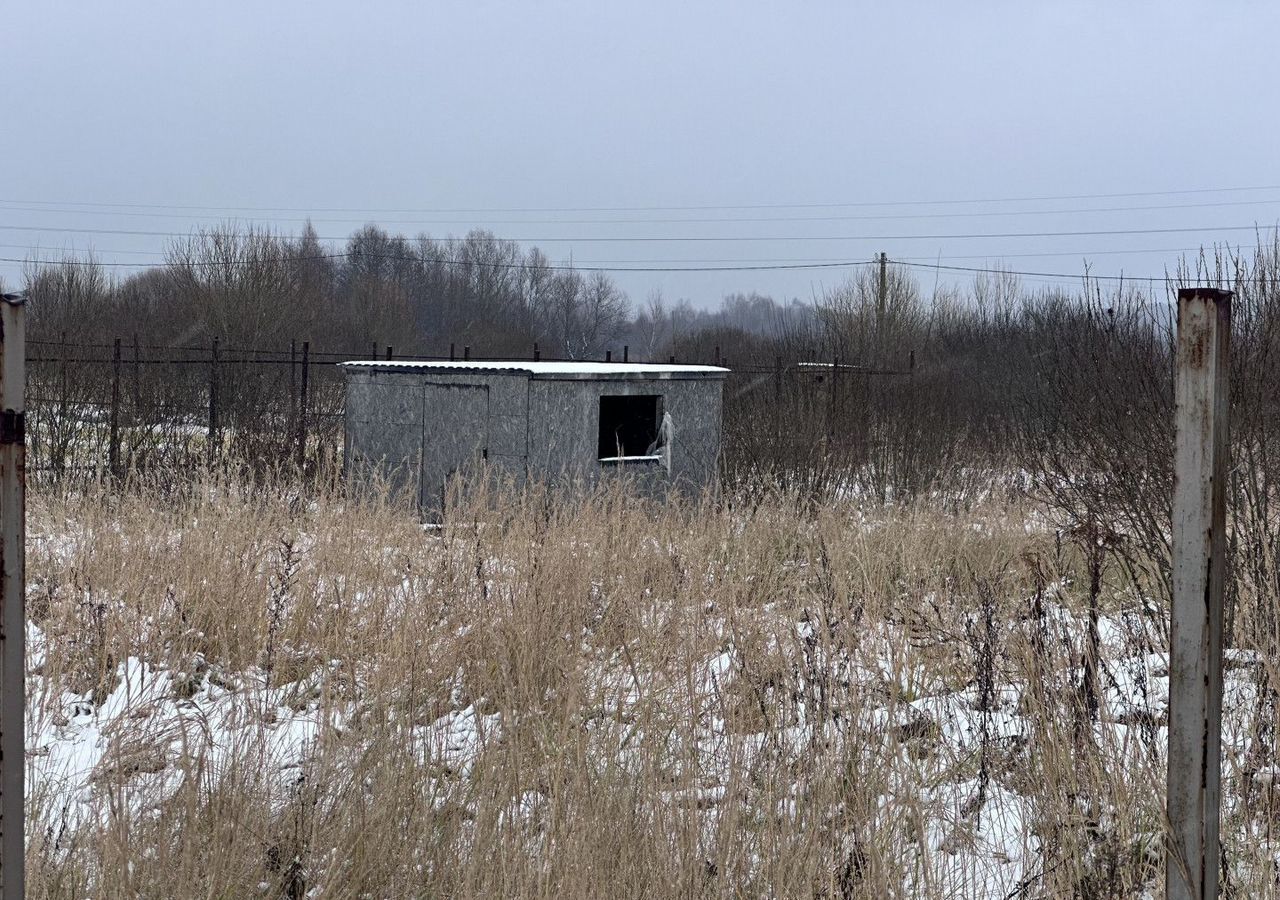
(303, 695)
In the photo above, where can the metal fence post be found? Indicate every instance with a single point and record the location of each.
(302, 404)
(215, 437)
(13, 618)
(63, 389)
(137, 378)
(113, 448)
(832, 399)
(1199, 568)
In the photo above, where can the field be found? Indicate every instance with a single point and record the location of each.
(245, 689)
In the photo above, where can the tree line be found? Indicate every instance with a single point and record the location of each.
(255, 289)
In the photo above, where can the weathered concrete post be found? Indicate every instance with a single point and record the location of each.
(13, 617)
(1199, 567)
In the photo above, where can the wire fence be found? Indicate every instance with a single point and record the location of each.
(107, 408)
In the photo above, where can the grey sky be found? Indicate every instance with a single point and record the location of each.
(414, 106)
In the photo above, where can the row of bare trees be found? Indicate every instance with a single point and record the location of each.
(254, 289)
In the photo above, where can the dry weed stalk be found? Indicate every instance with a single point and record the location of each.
(601, 697)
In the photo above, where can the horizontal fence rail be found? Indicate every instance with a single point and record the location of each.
(108, 408)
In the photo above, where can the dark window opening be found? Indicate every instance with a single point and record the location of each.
(629, 425)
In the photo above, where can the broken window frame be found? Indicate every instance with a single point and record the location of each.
(642, 441)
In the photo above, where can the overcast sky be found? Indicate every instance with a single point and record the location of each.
(767, 115)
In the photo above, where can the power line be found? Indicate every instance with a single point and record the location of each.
(668, 221)
(1083, 254)
(1058, 276)
(912, 262)
(536, 209)
(483, 263)
(719, 238)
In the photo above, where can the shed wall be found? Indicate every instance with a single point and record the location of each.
(417, 428)
(564, 431)
(383, 428)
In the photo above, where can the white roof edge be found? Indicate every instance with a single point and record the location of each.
(542, 368)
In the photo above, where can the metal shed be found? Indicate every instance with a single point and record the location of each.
(418, 424)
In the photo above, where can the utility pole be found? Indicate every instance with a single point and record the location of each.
(882, 294)
(13, 616)
(882, 306)
(1199, 569)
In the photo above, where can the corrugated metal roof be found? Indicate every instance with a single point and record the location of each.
(544, 369)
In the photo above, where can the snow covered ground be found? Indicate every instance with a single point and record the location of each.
(979, 831)
(952, 741)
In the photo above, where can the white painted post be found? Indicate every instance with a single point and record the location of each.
(13, 618)
(1199, 566)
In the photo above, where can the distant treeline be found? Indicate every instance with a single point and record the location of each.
(258, 290)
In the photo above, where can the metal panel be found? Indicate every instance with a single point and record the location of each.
(384, 432)
(564, 430)
(455, 436)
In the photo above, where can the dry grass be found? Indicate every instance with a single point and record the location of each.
(586, 699)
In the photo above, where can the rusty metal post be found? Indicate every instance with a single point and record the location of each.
(13, 617)
(389, 351)
(466, 353)
(777, 404)
(293, 380)
(215, 436)
(626, 353)
(452, 354)
(537, 354)
(63, 395)
(1199, 567)
(608, 356)
(113, 447)
(832, 400)
(137, 379)
(302, 404)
